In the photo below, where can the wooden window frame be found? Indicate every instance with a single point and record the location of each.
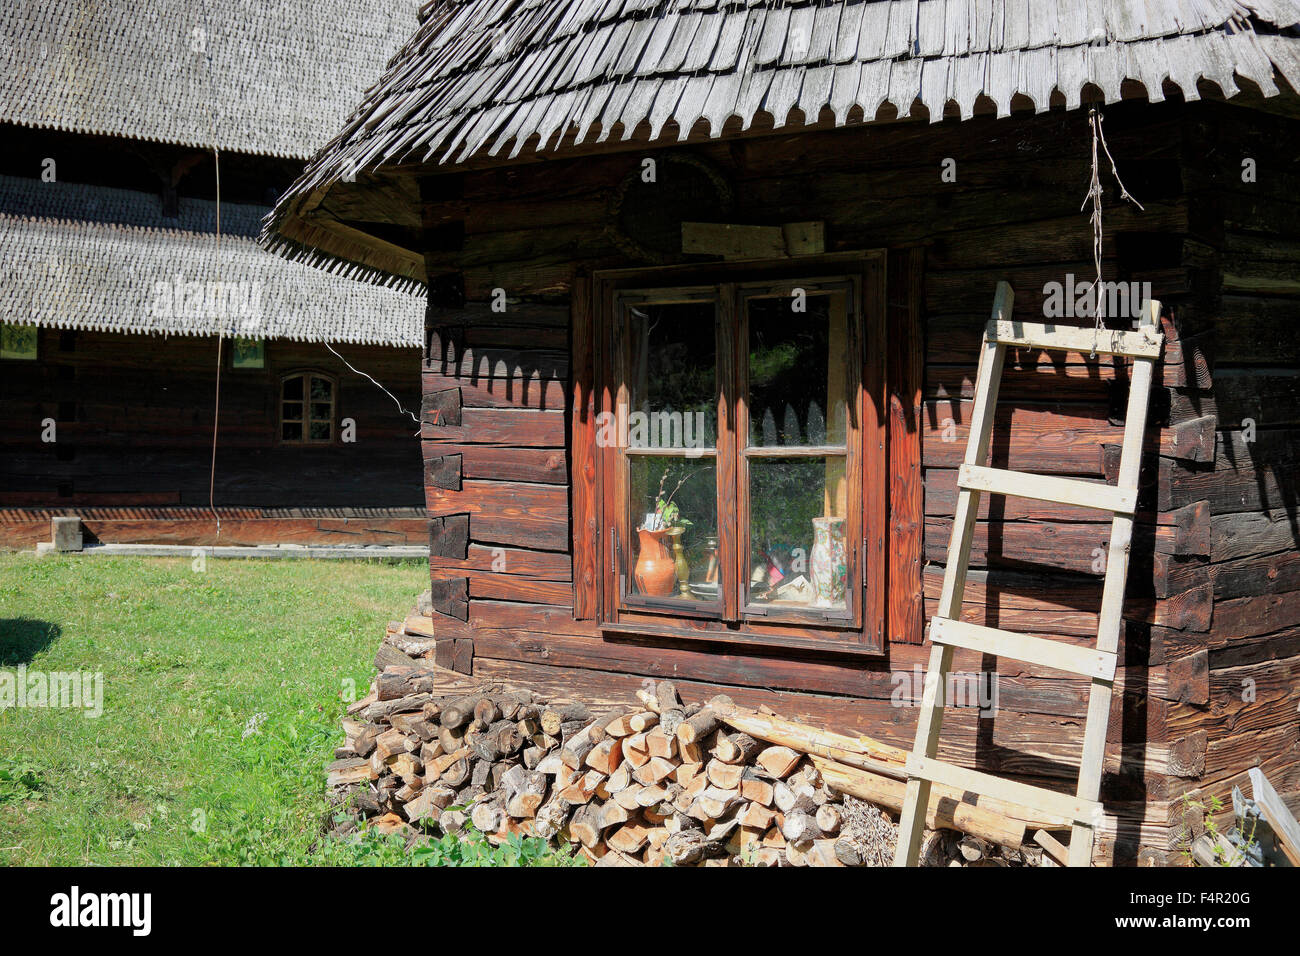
(597, 504)
(306, 374)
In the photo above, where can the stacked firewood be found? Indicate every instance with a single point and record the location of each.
(656, 781)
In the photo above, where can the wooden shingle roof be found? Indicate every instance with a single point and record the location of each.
(92, 257)
(266, 77)
(490, 78)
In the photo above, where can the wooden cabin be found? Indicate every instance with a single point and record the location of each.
(779, 228)
(116, 285)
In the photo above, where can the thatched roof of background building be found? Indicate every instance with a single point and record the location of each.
(283, 75)
(491, 78)
(91, 257)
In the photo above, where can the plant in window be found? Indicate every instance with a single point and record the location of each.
(662, 566)
(667, 513)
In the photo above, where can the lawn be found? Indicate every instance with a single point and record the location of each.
(222, 692)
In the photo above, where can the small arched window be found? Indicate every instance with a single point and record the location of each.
(307, 408)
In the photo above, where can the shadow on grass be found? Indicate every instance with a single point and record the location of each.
(22, 638)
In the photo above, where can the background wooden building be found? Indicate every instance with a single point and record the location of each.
(109, 114)
(915, 154)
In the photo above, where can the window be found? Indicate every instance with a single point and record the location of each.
(18, 342)
(307, 408)
(740, 501)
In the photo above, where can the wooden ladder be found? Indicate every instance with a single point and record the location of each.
(948, 631)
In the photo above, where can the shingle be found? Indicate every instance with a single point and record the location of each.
(519, 69)
(282, 78)
(95, 258)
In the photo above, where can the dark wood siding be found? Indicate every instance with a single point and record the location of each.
(134, 431)
(1013, 213)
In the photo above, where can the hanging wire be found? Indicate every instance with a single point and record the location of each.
(1094, 196)
(400, 406)
(216, 161)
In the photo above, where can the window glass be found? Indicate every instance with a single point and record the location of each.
(797, 533)
(673, 378)
(798, 364)
(307, 409)
(674, 505)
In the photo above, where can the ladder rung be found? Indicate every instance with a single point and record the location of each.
(1065, 491)
(1087, 812)
(1088, 662)
(1144, 343)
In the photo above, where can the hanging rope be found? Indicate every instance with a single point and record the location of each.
(1094, 196)
(400, 407)
(216, 161)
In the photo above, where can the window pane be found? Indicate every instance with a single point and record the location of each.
(293, 388)
(672, 376)
(321, 389)
(291, 410)
(673, 554)
(320, 431)
(798, 362)
(797, 555)
(321, 411)
(291, 431)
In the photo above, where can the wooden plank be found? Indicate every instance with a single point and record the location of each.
(1277, 814)
(586, 517)
(540, 565)
(733, 241)
(1066, 491)
(532, 391)
(450, 596)
(515, 427)
(1023, 647)
(508, 513)
(493, 463)
(905, 375)
(1084, 812)
(1144, 343)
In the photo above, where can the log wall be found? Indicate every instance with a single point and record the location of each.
(498, 482)
(133, 418)
(1246, 252)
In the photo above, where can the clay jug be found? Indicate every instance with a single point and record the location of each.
(656, 572)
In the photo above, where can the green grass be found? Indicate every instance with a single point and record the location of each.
(222, 695)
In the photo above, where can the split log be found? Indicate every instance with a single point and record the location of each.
(714, 803)
(686, 847)
(585, 825)
(660, 743)
(736, 748)
(778, 761)
(693, 729)
(829, 819)
(577, 747)
(552, 718)
(756, 788)
(459, 711)
(487, 816)
(725, 776)
(606, 755)
(800, 829)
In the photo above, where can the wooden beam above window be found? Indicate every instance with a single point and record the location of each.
(754, 242)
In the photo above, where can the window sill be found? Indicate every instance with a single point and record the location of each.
(848, 644)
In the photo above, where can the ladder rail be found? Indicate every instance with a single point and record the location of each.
(1143, 347)
(930, 720)
(1112, 597)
